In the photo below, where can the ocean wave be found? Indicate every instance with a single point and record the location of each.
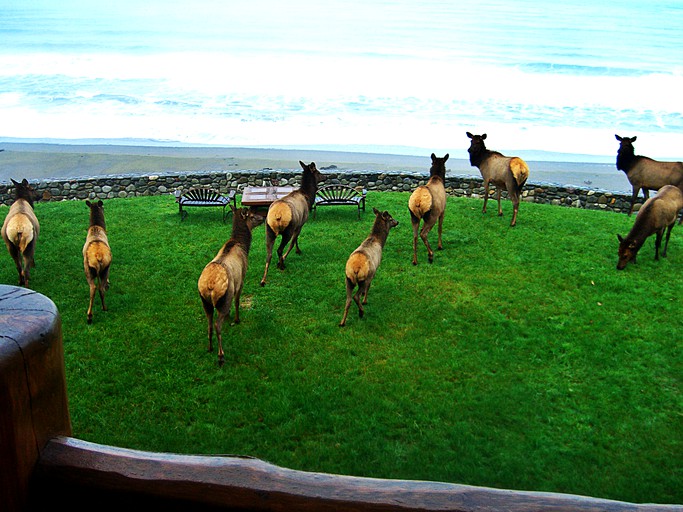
(580, 70)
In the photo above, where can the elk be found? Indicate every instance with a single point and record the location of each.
(20, 230)
(657, 215)
(223, 277)
(287, 216)
(96, 255)
(428, 203)
(364, 261)
(506, 173)
(645, 173)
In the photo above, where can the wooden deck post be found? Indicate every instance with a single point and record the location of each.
(33, 402)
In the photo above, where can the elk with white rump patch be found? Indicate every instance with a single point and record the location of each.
(287, 216)
(223, 277)
(506, 173)
(659, 213)
(20, 230)
(364, 261)
(645, 173)
(428, 203)
(96, 255)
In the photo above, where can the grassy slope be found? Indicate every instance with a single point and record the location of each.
(521, 358)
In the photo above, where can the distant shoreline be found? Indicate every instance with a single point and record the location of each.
(46, 160)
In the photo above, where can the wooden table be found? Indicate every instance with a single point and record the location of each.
(263, 196)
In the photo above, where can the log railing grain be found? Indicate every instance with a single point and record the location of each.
(42, 468)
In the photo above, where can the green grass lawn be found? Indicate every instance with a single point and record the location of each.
(521, 358)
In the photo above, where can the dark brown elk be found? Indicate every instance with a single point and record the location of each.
(288, 215)
(645, 173)
(506, 173)
(222, 279)
(364, 261)
(657, 215)
(97, 255)
(20, 230)
(427, 203)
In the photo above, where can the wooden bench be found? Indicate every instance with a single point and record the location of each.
(331, 195)
(204, 197)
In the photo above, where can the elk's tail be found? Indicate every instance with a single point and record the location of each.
(20, 232)
(357, 267)
(213, 283)
(420, 201)
(520, 170)
(279, 216)
(98, 256)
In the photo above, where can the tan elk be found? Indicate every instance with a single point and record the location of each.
(427, 203)
(97, 255)
(222, 279)
(657, 215)
(364, 261)
(287, 216)
(20, 230)
(506, 173)
(645, 173)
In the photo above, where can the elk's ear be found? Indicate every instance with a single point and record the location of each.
(24, 182)
(433, 157)
(376, 211)
(620, 238)
(618, 138)
(445, 158)
(88, 203)
(483, 136)
(15, 182)
(469, 135)
(303, 165)
(634, 138)
(100, 203)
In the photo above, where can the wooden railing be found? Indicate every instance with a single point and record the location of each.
(43, 468)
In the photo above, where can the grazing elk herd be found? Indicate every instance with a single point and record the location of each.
(222, 279)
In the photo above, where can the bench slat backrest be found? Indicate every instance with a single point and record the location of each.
(204, 195)
(341, 193)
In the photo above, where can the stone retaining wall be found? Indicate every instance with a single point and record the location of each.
(132, 185)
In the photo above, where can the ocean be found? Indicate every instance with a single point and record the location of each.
(547, 80)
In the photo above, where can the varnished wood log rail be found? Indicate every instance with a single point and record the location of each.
(42, 468)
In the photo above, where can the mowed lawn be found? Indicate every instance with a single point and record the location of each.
(521, 358)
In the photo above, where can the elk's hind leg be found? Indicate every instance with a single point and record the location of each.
(29, 260)
(219, 336)
(270, 240)
(362, 291)
(416, 226)
(93, 288)
(424, 234)
(286, 236)
(103, 286)
(658, 242)
(295, 242)
(17, 257)
(208, 310)
(515, 208)
(349, 296)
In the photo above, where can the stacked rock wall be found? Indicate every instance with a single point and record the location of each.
(132, 185)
